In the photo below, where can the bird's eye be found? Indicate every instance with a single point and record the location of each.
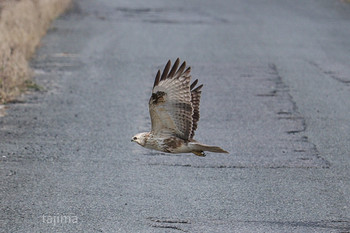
(134, 138)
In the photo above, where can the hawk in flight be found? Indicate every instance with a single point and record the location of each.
(174, 110)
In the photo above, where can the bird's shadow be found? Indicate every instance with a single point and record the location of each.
(163, 154)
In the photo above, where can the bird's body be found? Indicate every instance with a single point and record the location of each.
(174, 111)
(170, 144)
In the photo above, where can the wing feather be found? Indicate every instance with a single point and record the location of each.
(170, 105)
(175, 66)
(156, 80)
(193, 84)
(166, 70)
(181, 70)
(195, 99)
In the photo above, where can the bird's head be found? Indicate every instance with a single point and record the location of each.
(140, 138)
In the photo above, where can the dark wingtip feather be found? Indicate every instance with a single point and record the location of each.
(181, 69)
(156, 80)
(166, 70)
(194, 84)
(198, 88)
(173, 70)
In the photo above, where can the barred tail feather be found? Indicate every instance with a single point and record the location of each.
(197, 147)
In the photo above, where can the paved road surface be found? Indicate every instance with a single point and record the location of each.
(276, 95)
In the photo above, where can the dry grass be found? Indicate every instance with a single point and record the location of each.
(22, 24)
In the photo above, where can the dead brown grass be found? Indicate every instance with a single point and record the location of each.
(22, 24)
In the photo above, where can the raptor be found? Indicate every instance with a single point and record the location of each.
(174, 111)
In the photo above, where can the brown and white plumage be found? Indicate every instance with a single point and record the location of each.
(174, 111)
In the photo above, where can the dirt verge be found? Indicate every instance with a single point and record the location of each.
(22, 24)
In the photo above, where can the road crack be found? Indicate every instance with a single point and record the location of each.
(286, 109)
(168, 223)
(332, 74)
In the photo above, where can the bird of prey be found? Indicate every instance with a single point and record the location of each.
(174, 110)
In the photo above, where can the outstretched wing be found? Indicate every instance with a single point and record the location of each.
(170, 105)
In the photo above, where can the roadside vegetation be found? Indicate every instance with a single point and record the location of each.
(22, 24)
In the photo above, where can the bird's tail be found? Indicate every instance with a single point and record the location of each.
(198, 149)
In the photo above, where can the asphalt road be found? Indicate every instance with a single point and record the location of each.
(276, 95)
